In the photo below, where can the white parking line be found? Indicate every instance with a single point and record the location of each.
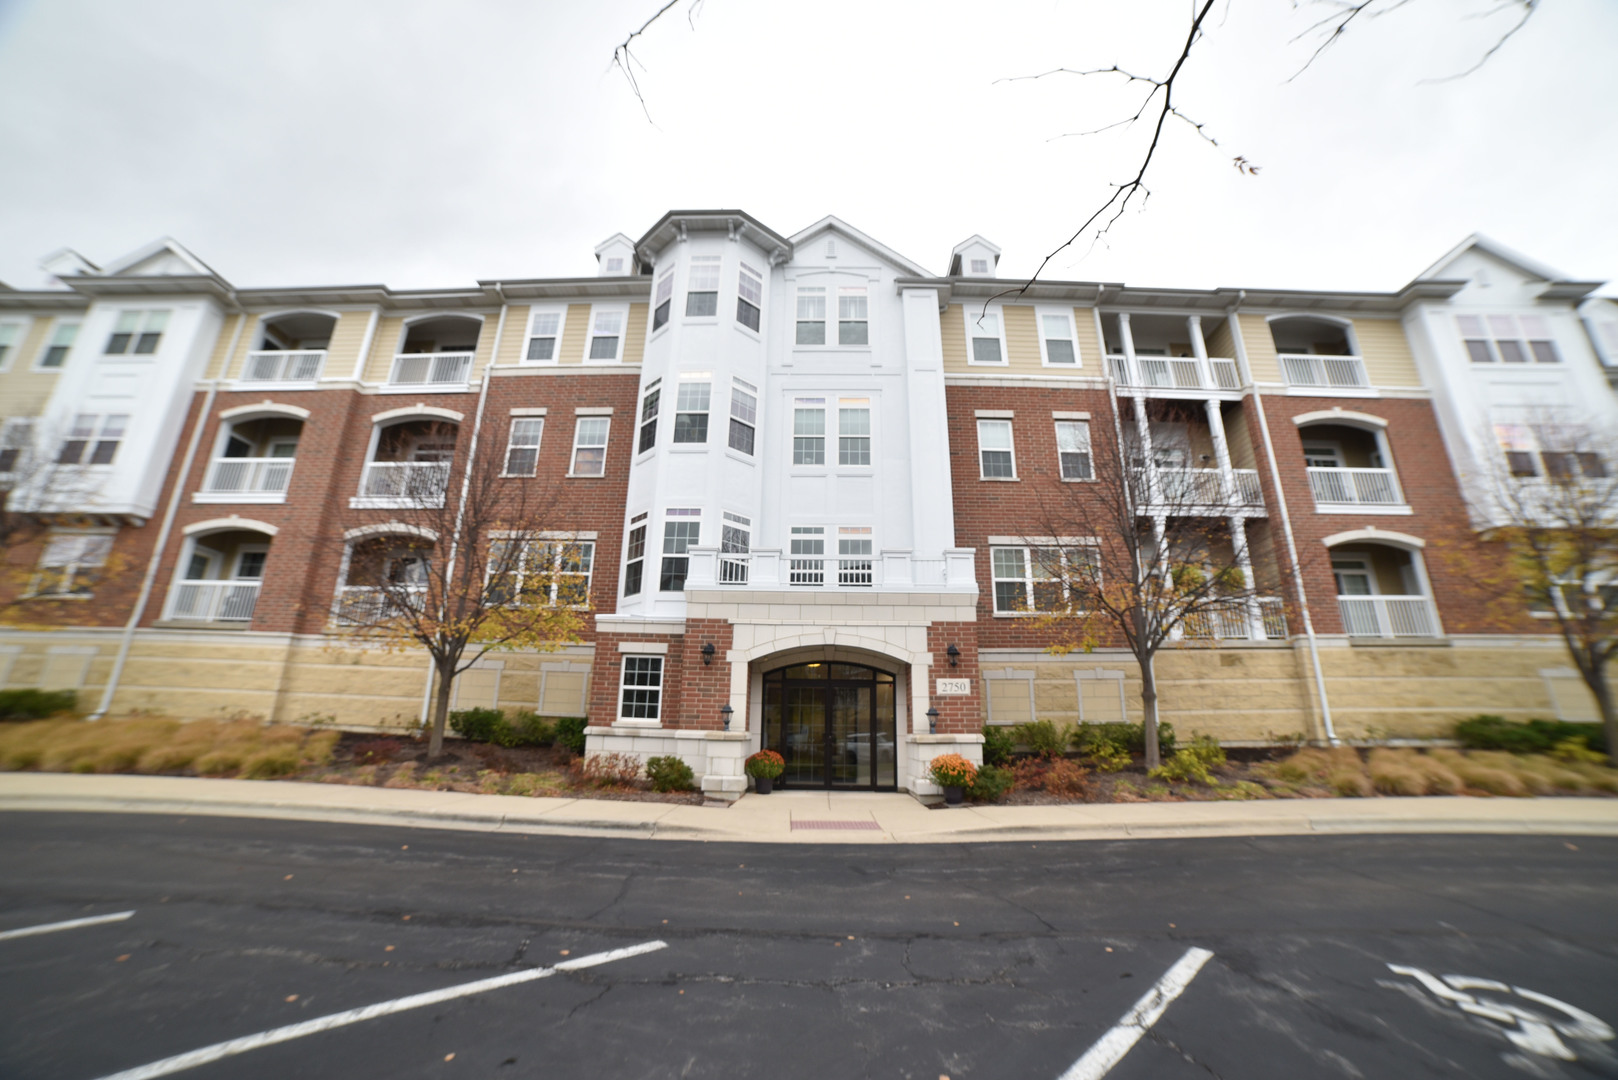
(1112, 1046)
(222, 1050)
(71, 924)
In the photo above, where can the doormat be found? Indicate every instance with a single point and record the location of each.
(799, 823)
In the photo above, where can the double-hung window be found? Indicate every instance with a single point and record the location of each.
(1073, 449)
(641, 694)
(1029, 580)
(854, 431)
(735, 541)
(743, 415)
(1509, 339)
(811, 315)
(137, 333)
(854, 556)
(97, 434)
(544, 332)
(996, 456)
(853, 316)
(808, 563)
(648, 417)
(691, 412)
(681, 533)
(983, 337)
(606, 335)
(749, 296)
(1056, 336)
(664, 299)
(809, 431)
(68, 564)
(551, 571)
(10, 340)
(62, 338)
(522, 448)
(702, 286)
(590, 445)
(635, 555)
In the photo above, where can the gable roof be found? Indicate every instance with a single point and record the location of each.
(1517, 260)
(163, 244)
(836, 224)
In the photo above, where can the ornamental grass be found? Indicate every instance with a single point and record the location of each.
(242, 747)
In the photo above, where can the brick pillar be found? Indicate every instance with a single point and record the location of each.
(956, 715)
(705, 687)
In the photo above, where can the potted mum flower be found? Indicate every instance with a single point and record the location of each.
(764, 767)
(954, 774)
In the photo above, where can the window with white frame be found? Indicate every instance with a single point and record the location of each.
(635, 555)
(1509, 339)
(590, 445)
(691, 411)
(1073, 449)
(641, 695)
(544, 336)
(93, 439)
(809, 431)
(702, 286)
(983, 337)
(615, 266)
(980, 266)
(522, 448)
(68, 564)
(811, 315)
(1034, 580)
(807, 565)
(682, 531)
(854, 555)
(10, 340)
(1056, 337)
(648, 416)
(61, 342)
(854, 431)
(996, 457)
(749, 296)
(743, 415)
(853, 316)
(137, 333)
(735, 541)
(606, 335)
(1531, 449)
(663, 300)
(554, 572)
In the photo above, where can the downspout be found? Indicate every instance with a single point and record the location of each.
(466, 481)
(128, 639)
(1286, 521)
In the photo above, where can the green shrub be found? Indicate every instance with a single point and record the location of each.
(1534, 737)
(1131, 737)
(569, 732)
(991, 784)
(1206, 749)
(525, 729)
(278, 761)
(1043, 737)
(998, 743)
(1186, 765)
(478, 725)
(35, 704)
(1578, 750)
(670, 774)
(1111, 758)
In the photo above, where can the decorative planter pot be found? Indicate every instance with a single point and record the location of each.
(952, 795)
(763, 784)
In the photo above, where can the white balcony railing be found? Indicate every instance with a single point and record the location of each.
(1175, 373)
(891, 570)
(248, 476)
(1354, 487)
(1236, 622)
(362, 604)
(1273, 611)
(1333, 372)
(1388, 616)
(430, 369)
(276, 366)
(418, 483)
(1205, 487)
(213, 601)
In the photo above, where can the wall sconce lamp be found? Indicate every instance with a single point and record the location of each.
(954, 655)
(707, 654)
(724, 714)
(932, 721)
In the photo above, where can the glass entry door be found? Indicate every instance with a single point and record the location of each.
(834, 724)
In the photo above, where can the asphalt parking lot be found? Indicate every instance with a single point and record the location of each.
(1390, 956)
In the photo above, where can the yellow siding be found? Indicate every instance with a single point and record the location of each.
(1387, 352)
(1022, 338)
(513, 345)
(1088, 344)
(379, 365)
(1219, 342)
(952, 327)
(23, 391)
(343, 351)
(635, 334)
(1262, 360)
(236, 363)
(574, 334)
(216, 362)
(485, 349)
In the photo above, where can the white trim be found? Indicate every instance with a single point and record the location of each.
(24, 324)
(1338, 415)
(968, 322)
(1040, 314)
(997, 414)
(593, 410)
(540, 411)
(264, 408)
(660, 648)
(418, 409)
(1375, 535)
(47, 343)
(197, 528)
(1069, 416)
(528, 335)
(391, 528)
(621, 309)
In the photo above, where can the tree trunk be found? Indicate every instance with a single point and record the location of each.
(1602, 689)
(446, 682)
(1148, 701)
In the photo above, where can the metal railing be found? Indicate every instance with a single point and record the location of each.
(369, 604)
(214, 601)
(1388, 616)
(807, 571)
(1205, 487)
(1235, 622)
(1336, 372)
(1273, 610)
(288, 365)
(1175, 373)
(733, 568)
(1371, 487)
(418, 482)
(429, 369)
(894, 570)
(249, 476)
(856, 572)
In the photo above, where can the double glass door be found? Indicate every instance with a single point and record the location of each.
(834, 724)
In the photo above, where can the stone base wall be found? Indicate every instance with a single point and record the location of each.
(714, 756)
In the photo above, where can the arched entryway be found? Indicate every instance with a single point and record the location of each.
(835, 723)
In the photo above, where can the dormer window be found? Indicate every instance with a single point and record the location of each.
(980, 266)
(615, 266)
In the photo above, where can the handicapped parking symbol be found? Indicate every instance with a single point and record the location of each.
(1539, 1027)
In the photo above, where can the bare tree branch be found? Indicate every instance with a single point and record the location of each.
(624, 61)
(1529, 7)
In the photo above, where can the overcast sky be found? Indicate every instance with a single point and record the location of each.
(296, 142)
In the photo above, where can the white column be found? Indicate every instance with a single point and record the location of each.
(1244, 559)
(1143, 428)
(1199, 349)
(1216, 432)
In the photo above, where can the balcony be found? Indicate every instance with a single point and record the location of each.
(1388, 616)
(1175, 373)
(1325, 372)
(213, 601)
(284, 366)
(405, 483)
(1236, 622)
(1354, 487)
(247, 479)
(367, 604)
(893, 571)
(431, 369)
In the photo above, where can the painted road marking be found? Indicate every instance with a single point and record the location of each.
(1112, 1047)
(1526, 1029)
(71, 924)
(219, 1051)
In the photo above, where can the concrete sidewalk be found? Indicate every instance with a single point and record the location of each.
(799, 817)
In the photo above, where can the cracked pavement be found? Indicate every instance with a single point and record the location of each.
(1004, 960)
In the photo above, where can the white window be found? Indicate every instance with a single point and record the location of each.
(97, 434)
(635, 555)
(648, 417)
(809, 431)
(1353, 577)
(62, 338)
(735, 540)
(749, 296)
(68, 564)
(743, 415)
(854, 431)
(522, 448)
(811, 315)
(615, 266)
(853, 316)
(997, 460)
(808, 562)
(983, 344)
(980, 266)
(10, 341)
(702, 286)
(642, 691)
(680, 534)
(544, 336)
(1322, 456)
(1056, 338)
(1509, 339)
(137, 333)
(16, 437)
(1030, 580)
(606, 335)
(691, 412)
(854, 556)
(554, 571)
(664, 298)
(1073, 449)
(590, 445)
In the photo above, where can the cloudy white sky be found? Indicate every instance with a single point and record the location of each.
(433, 143)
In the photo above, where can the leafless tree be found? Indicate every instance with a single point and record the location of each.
(44, 486)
